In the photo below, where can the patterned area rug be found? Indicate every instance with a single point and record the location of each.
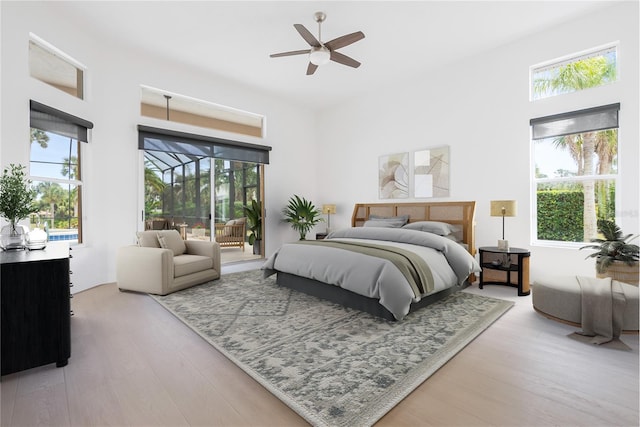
(333, 365)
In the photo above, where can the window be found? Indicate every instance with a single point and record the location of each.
(56, 172)
(188, 174)
(53, 67)
(577, 72)
(576, 172)
(172, 107)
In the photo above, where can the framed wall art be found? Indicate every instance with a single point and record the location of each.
(431, 172)
(393, 176)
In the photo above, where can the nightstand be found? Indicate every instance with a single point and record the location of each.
(505, 267)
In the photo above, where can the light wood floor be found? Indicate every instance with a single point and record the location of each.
(232, 255)
(133, 363)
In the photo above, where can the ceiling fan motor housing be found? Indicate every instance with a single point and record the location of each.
(319, 55)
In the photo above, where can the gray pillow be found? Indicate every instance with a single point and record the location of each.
(387, 222)
(435, 227)
(382, 223)
(148, 239)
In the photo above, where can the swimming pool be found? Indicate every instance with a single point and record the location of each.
(56, 236)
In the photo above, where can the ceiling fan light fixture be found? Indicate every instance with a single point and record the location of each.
(319, 55)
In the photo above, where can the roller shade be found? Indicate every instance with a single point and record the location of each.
(52, 120)
(156, 139)
(588, 120)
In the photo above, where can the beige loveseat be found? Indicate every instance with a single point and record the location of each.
(162, 263)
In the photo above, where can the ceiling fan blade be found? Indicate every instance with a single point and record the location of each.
(343, 41)
(293, 52)
(306, 35)
(311, 68)
(344, 59)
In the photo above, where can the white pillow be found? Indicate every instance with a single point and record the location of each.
(170, 239)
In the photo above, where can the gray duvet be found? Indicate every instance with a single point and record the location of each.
(376, 277)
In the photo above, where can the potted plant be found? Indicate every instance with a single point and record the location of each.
(615, 256)
(253, 212)
(302, 215)
(16, 203)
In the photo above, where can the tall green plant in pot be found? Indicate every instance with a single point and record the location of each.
(16, 202)
(253, 212)
(302, 215)
(615, 256)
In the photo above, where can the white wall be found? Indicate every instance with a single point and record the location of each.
(480, 108)
(112, 161)
(458, 105)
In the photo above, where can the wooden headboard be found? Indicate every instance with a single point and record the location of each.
(459, 213)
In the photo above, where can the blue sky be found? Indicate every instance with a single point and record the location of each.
(56, 151)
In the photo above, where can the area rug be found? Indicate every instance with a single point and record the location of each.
(332, 365)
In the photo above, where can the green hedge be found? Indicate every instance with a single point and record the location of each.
(560, 215)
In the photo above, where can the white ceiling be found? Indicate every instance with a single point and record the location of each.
(402, 39)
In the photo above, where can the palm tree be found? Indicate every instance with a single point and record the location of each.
(586, 73)
(607, 151)
(153, 188)
(40, 136)
(583, 74)
(51, 195)
(70, 167)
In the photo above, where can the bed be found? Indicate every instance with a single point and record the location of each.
(396, 258)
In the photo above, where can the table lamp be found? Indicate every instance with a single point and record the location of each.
(328, 209)
(503, 208)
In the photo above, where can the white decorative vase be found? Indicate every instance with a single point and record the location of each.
(36, 239)
(13, 237)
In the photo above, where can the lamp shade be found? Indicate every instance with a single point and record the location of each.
(504, 208)
(328, 209)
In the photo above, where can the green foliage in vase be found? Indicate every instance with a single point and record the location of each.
(253, 213)
(16, 195)
(302, 215)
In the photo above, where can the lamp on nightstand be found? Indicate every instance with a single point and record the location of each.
(328, 209)
(503, 208)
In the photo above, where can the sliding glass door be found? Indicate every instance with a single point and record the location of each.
(236, 184)
(178, 193)
(196, 182)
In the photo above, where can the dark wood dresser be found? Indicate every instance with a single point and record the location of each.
(36, 317)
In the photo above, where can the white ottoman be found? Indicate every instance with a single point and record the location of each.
(560, 298)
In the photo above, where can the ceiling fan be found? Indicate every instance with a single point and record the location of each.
(321, 53)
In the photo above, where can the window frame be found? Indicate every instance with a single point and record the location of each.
(43, 70)
(535, 181)
(173, 107)
(571, 58)
(54, 121)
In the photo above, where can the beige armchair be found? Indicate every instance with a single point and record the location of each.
(163, 263)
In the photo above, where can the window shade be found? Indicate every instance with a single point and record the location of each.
(52, 120)
(169, 141)
(588, 120)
